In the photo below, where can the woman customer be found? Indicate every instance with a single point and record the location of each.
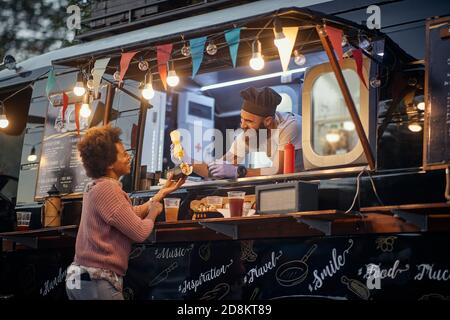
(109, 223)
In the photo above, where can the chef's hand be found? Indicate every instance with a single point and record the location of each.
(175, 159)
(223, 170)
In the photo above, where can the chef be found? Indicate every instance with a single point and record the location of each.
(265, 133)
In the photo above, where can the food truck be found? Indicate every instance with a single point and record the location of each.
(363, 216)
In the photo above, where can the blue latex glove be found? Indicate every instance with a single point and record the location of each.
(175, 160)
(223, 170)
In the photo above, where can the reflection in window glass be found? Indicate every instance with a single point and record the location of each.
(333, 129)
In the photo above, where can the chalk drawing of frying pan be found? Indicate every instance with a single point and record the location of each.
(294, 272)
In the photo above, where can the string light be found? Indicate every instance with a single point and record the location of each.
(32, 156)
(85, 110)
(257, 60)
(4, 122)
(143, 65)
(90, 83)
(172, 78)
(415, 127)
(116, 75)
(421, 106)
(299, 59)
(211, 48)
(280, 39)
(79, 88)
(185, 50)
(147, 92)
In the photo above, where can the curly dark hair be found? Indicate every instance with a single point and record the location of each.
(98, 149)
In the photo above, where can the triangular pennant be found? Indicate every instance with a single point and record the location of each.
(99, 70)
(65, 104)
(163, 55)
(357, 55)
(233, 37)
(197, 48)
(335, 36)
(125, 60)
(77, 116)
(51, 81)
(286, 51)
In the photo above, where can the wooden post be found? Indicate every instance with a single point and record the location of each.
(347, 97)
(140, 138)
(108, 103)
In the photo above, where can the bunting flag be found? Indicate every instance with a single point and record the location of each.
(163, 55)
(232, 37)
(98, 71)
(197, 48)
(335, 36)
(357, 55)
(285, 52)
(65, 104)
(51, 81)
(77, 116)
(125, 60)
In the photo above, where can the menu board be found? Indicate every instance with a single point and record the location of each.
(437, 95)
(60, 160)
(365, 267)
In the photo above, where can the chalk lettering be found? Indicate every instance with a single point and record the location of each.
(336, 262)
(204, 277)
(257, 272)
(429, 272)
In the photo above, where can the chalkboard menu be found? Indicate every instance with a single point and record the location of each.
(60, 161)
(437, 95)
(367, 267)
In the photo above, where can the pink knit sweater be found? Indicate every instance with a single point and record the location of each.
(109, 225)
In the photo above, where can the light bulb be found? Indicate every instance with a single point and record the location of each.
(280, 39)
(79, 88)
(375, 82)
(143, 65)
(116, 75)
(349, 126)
(186, 50)
(172, 78)
(147, 92)
(4, 122)
(211, 48)
(90, 83)
(421, 106)
(364, 43)
(257, 61)
(332, 137)
(415, 127)
(32, 156)
(85, 111)
(299, 59)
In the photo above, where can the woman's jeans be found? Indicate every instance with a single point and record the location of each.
(93, 289)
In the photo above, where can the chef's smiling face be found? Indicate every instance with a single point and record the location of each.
(253, 121)
(122, 166)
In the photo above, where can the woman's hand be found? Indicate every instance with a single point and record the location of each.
(169, 187)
